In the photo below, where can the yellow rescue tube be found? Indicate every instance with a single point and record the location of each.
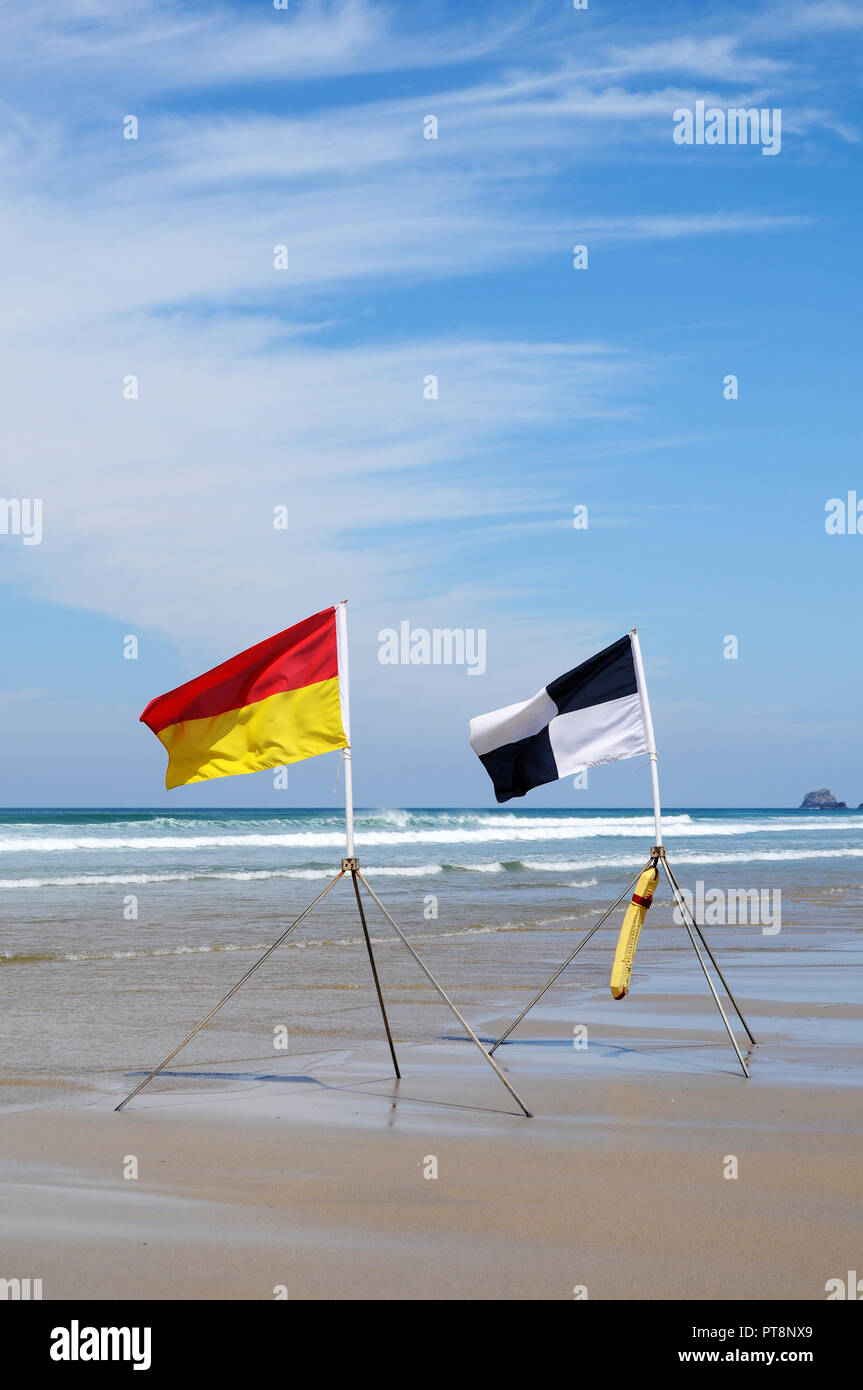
(621, 971)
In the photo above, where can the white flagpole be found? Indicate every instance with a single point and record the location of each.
(648, 728)
(345, 699)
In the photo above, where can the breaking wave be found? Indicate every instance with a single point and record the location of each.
(512, 866)
(395, 830)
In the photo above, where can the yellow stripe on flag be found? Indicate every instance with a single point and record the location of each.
(282, 728)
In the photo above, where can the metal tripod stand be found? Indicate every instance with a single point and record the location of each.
(657, 856)
(350, 866)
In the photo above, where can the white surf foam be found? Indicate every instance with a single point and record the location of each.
(476, 830)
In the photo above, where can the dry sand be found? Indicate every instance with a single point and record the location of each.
(318, 1184)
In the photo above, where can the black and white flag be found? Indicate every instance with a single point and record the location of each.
(594, 714)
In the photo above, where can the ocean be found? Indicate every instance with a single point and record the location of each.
(120, 929)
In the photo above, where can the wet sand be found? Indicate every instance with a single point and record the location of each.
(316, 1183)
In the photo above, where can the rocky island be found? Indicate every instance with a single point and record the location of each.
(822, 800)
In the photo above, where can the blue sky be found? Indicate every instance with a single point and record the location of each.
(453, 257)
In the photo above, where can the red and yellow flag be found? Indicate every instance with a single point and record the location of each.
(276, 703)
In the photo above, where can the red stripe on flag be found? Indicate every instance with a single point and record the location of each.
(301, 655)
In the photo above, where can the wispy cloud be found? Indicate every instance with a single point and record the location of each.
(823, 16)
(174, 45)
(174, 493)
(717, 56)
(155, 257)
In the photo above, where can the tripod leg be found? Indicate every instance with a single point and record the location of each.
(678, 898)
(232, 991)
(584, 940)
(704, 943)
(354, 876)
(430, 977)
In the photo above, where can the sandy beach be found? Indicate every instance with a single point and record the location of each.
(651, 1169)
(316, 1184)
